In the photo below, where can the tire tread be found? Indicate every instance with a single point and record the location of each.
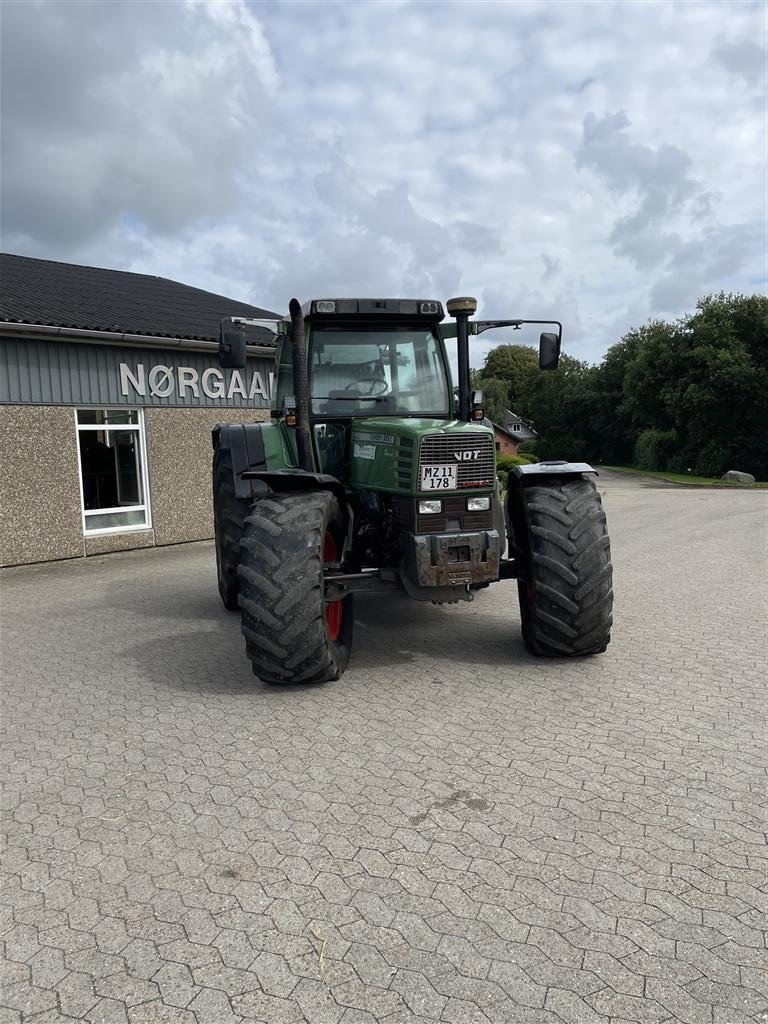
(569, 610)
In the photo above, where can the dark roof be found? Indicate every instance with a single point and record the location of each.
(43, 292)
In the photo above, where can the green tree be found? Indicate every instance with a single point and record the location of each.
(688, 394)
(554, 403)
(513, 364)
(698, 384)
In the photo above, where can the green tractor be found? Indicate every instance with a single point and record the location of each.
(368, 478)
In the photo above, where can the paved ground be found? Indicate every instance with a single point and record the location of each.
(454, 831)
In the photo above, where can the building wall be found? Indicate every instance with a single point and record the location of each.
(40, 503)
(505, 445)
(39, 485)
(179, 454)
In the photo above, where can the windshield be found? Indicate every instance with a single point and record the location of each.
(389, 371)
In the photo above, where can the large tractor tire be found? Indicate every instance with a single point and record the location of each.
(292, 635)
(566, 603)
(229, 515)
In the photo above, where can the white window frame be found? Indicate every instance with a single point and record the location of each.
(138, 428)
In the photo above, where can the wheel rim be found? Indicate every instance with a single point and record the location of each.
(334, 611)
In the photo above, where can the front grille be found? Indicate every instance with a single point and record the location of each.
(404, 462)
(446, 449)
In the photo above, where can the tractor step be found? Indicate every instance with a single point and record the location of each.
(340, 584)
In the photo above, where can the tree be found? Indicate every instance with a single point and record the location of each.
(513, 364)
(688, 394)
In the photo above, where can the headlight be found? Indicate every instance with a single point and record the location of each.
(429, 508)
(478, 504)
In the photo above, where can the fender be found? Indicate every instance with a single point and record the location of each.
(520, 477)
(246, 443)
(298, 480)
(553, 467)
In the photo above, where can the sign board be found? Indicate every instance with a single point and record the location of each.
(71, 373)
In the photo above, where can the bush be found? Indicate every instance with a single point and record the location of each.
(504, 464)
(711, 459)
(655, 449)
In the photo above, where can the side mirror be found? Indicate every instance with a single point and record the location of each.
(549, 351)
(231, 348)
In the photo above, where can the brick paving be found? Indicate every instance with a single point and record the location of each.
(454, 831)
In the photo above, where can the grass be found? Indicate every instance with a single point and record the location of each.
(684, 478)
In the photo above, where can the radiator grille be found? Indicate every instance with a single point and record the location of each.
(404, 462)
(444, 449)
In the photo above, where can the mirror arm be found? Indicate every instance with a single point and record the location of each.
(478, 326)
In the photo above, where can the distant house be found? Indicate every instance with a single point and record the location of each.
(520, 429)
(507, 443)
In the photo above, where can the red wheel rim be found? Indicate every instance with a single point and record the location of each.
(334, 613)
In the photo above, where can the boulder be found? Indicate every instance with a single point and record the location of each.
(735, 477)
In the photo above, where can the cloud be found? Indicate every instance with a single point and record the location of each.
(127, 112)
(278, 149)
(744, 59)
(691, 259)
(709, 261)
(660, 178)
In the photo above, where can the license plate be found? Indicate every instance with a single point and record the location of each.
(438, 478)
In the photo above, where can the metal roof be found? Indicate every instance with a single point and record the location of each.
(44, 292)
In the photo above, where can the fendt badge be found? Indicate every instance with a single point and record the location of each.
(466, 456)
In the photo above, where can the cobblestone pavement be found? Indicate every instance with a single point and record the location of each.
(454, 831)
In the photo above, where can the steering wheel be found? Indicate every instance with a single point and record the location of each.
(374, 382)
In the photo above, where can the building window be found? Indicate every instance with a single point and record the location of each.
(113, 470)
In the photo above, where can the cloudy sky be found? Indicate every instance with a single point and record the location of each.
(600, 163)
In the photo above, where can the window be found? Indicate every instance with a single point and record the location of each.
(388, 372)
(113, 470)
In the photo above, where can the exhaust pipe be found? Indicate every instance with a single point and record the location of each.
(462, 308)
(300, 386)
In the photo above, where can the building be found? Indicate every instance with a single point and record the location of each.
(109, 389)
(506, 442)
(510, 437)
(521, 429)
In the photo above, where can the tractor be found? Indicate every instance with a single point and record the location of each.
(371, 476)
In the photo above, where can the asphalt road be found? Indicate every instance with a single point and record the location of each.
(454, 831)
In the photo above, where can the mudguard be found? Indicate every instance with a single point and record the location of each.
(519, 477)
(298, 480)
(553, 467)
(246, 443)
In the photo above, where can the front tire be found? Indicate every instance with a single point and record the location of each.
(292, 635)
(566, 601)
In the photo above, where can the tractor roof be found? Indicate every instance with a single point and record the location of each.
(427, 310)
